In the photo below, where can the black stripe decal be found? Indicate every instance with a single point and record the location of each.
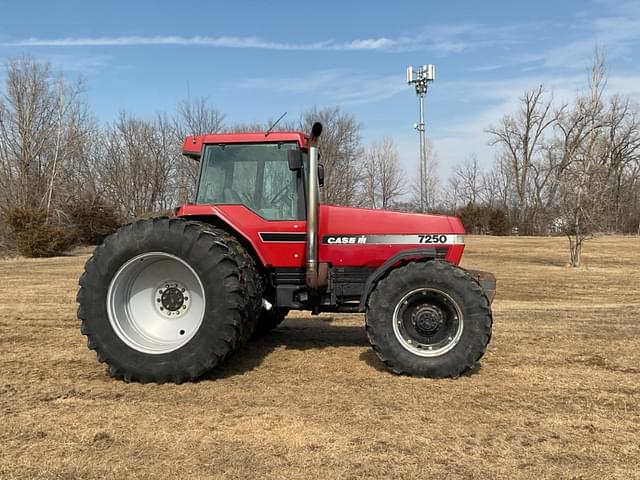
(283, 237)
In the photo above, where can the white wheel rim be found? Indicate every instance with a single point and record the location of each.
(155, 303)
(414, 344)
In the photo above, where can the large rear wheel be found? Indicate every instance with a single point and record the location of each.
(429, 319)
(163, 300)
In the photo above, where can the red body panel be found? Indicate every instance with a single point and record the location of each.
(193, 144)
(248, 224)
(335, 221)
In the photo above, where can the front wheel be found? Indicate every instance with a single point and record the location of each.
(429, 319)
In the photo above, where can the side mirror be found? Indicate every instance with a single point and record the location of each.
(321, 175)
(295, 160)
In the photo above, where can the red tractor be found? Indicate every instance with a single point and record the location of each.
(168, 299)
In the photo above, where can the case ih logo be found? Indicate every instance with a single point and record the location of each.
(342, 240)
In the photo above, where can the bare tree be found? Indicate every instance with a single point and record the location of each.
(193, 117)
(43, 132)
(496, 185)
(383, 179)
(521, 137)
(469, 180)
(431, 181)
(584, 173)
(340, 153)
(197, 116)
(138, 164)
(622, 146)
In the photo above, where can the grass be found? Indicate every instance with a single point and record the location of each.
(556, 396)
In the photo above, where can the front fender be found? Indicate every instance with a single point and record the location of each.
(386, 267)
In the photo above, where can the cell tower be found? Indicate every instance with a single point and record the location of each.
(420, 77)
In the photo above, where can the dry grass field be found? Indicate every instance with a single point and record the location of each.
(556, 396)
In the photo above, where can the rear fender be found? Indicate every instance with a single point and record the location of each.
(213, 217)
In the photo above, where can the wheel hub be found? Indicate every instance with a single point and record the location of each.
(427, 319)
(172, 299)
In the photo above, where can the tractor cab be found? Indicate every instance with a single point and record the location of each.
(254, 175)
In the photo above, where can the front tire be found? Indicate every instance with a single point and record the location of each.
(429, 319)
(162, 300)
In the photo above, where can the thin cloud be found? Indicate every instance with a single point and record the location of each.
(126, 41)
(444, 43)
(381, 43)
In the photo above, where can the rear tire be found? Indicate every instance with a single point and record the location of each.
(251, 277)
(149, 328)
(429, 319)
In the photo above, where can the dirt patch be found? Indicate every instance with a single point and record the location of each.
(556, 395)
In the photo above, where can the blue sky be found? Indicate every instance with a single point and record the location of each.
(255, 60)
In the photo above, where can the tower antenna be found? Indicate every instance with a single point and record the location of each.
(421, 77)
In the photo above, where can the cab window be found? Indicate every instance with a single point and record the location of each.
(254, 175)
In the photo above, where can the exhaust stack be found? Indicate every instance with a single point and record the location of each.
(313, 282)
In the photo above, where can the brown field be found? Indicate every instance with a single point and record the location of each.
(556, 396)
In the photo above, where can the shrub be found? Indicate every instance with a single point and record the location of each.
(478, 219)
(474, 218)
(34, 235)
(499, 223)
(5, 241)
(93, 220)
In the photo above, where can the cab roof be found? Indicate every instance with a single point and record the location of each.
(193, 144)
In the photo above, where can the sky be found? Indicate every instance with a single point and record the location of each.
(256, 60)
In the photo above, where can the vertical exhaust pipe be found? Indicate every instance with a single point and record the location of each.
(312, 210)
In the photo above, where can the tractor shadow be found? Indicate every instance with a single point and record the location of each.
(304, 334)
(296, 334)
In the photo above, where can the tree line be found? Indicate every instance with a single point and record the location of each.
(569, 167)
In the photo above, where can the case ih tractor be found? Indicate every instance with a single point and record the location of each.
(168, 299)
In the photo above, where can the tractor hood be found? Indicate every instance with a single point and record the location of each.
(366, 237)
(336, 220)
